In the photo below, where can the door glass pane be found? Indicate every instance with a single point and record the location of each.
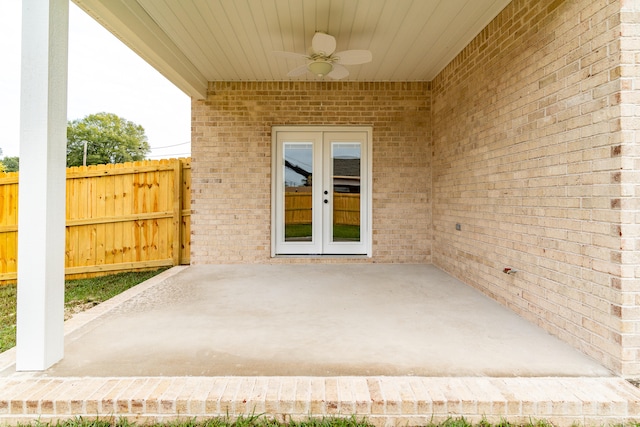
(298, 206)
(345, 158)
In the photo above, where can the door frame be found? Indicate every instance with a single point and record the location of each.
(366, 230)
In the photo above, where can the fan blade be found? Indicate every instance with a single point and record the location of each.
(353, 57)
(323, 43)
(289, 55)
(298, 71)
(338, 72)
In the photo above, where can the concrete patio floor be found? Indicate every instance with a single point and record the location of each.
(394, 343)
(320, 320)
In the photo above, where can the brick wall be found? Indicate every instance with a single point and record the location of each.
(628, 151)
(527, 140)
(532, 160)
(231, 158)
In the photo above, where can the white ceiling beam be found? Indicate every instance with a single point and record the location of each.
(129, 22)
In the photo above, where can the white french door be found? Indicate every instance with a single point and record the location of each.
(321, 191)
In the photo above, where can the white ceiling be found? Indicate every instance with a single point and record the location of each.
(195, 41)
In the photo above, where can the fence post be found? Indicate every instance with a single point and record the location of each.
(176, 246)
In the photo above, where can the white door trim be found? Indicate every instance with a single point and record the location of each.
(366, 192)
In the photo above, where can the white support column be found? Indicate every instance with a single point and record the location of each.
(41, 217)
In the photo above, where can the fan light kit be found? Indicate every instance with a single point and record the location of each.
(320, 68)
(324, 61)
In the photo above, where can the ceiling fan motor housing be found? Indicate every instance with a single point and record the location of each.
(320, 67)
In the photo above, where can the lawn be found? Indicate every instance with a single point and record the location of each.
(79, 295)
(263, 421)
(341, 232)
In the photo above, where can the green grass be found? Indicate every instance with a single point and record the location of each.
(263, 421)
(346, 232)
(79, 295)
(242, 421)
(7, 317)
(340, 232)
(297, 230)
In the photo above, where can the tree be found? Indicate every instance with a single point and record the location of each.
(108, 139)
(10, 164)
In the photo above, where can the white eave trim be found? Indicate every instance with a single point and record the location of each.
(130, 23)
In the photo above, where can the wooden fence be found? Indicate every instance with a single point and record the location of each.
(346, 208)
(120, 217)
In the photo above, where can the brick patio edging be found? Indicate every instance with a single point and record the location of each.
(381, 400)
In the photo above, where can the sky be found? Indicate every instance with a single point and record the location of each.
(104, 76)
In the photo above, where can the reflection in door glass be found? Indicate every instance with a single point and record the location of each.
(345, 158)
(298, 181)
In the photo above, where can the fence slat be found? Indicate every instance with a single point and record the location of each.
(177, 212)
(298, 208)
(8, 222)
(119, 217)
(185, 245)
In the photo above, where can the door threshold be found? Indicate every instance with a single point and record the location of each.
(322, 256)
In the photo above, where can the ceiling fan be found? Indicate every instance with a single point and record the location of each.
(322, 59)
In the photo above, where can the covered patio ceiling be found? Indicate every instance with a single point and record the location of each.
(192, 42)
